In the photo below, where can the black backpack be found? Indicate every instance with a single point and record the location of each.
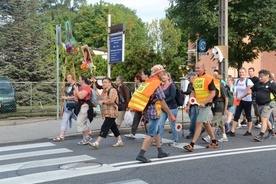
(179, 96)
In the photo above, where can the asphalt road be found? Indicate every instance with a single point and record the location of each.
(240, 160)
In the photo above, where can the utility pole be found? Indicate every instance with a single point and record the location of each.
(223, 34)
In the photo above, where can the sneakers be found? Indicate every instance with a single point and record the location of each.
(94, 145)
(206, 139)
(223, 139)
(247, 134)
(130, 136)
(256, 122)
(230, 133)
(174, 143)
(258, 126)
(142, 159)
(190, 136)
(118, 144)
(212, 146)
(163, 154)
(111, 135)
(85, 141)
(243, 123)
(258, 138)
(238, 126)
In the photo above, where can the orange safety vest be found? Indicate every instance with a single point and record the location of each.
(217, 84)
(201, 87)
(141, 96)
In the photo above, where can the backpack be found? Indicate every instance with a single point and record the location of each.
(121, 99)
(246, 81)
(179, 96)
(94, 99)
(230, 96)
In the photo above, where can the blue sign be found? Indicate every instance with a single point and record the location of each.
(116, 45)
(202, 45)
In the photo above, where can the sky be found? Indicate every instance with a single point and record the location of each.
(147, 10)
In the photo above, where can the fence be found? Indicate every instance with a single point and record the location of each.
(34, 99)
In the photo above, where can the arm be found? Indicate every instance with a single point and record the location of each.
(80, 94)
(248, 91)
(172, 90)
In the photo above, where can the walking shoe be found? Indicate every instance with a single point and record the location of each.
(163, 154)
(142, 159)
(258, 126)
(206, 139)
(258, 138)
(212, 146)
(189, 148)
(94, 145)
(269, 136)
(174, 143)
(117, 144)
(190, 136)
(247, 134)
(223, 139)
(85, 141)
(243, 123)
(153, 143)
(111, 135)
(230, 133)
(238, 126)
(130, 136)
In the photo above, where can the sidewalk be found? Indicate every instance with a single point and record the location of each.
(27, 129)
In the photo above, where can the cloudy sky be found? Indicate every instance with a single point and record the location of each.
(147, 10)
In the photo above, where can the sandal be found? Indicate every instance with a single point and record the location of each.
(189, 148)
(58, 139)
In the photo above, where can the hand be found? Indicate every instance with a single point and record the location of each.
(202, 104)
(173, 118)
(187, 108)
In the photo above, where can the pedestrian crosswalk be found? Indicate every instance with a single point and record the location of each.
(15, 167)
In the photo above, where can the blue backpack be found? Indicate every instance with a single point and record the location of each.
(94, 99)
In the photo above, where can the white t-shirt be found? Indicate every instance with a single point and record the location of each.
(241, 88)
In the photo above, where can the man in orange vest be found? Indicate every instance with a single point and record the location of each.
(204, 90)
(152, 114)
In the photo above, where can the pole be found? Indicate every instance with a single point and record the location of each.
(58, 41)
(223, 34)
(108, 46)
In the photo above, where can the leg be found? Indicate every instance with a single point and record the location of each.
(193, 117)
(161, 123)
(172, 125)
(136, 121)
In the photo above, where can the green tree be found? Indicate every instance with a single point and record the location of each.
(254, 20)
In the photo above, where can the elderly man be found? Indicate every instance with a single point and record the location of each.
(152, 112)
(204, 90)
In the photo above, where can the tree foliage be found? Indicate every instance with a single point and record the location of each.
(251, 25)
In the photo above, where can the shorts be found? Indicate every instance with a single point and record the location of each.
(82, 123)
(232, 109)
(153, 127)
(265, 110)
(217, 120)
(204, 114)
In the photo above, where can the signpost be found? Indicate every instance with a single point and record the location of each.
(115, 44)
(117, 48)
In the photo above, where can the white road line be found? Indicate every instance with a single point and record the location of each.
(25, 146)
(57, 175)
(193, 158)
(34, 153)
(135, 181)
(194, 154)
(43, 163)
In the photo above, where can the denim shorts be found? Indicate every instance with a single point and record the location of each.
(232, 109)
(153, 127)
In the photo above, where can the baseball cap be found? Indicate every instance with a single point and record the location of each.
(190, 74)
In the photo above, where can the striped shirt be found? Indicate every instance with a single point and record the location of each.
(110, 110)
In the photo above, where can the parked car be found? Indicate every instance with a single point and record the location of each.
(7, 96)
